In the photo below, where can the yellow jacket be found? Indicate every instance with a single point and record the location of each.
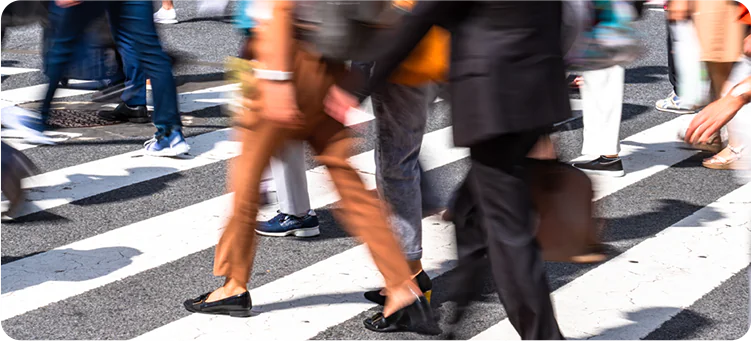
(430, 59)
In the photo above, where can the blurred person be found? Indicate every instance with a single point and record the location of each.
(206, 8)
(731, 111)
(284, 95)
(497, 74)
(401, 109)
(672, 103)
(138, 42)
(15, 167)
(720, 36)
(166, 14)
(295, 216)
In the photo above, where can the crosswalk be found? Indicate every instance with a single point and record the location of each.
(109, 247)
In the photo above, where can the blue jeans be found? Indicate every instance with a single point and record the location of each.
(135, 84)
(137, 40)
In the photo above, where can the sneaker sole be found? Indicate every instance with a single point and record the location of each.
(304, 232)
(179, 150)
(676, 111)
(614, 174)
(166, 22)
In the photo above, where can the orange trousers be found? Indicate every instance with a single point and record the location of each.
(362, 213)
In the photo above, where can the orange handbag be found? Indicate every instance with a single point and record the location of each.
(745, 16)
(429, 61)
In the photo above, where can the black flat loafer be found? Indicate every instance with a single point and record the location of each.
(235, 306)
(416, 317)
(423, 282)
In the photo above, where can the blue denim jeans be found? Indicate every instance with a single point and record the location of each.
(134, 32)
(401, 113)
(135, 84)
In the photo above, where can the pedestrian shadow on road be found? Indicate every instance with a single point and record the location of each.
(669, 213)
(642, 324)
(657, 150)
(64, 265)
(630, 111)
(128, 191)
(331, 298)
(646, 74)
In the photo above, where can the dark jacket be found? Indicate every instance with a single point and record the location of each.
(506, 72)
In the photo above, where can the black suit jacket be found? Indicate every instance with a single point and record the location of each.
(506, 72)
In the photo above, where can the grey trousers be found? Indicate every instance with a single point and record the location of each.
(401, 113)
(288, 170)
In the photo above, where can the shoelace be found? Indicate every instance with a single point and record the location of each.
(150, 142)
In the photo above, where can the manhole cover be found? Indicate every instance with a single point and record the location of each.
(66, 118)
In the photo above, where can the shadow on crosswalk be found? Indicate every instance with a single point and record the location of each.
(66, 265)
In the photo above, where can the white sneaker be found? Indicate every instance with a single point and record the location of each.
(212, 8)
(26, 125)
(164, 16)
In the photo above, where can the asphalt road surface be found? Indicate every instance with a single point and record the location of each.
(112, 242)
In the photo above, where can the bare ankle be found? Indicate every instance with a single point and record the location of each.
(234, 287)
(400, 297)
(415, 267)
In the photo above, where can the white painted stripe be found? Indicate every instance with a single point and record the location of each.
(357, 116)
(18, 145)
(65, 185)
(311, 314)
(576, 104)
(36, 93)
(203, 98)
(437, 150)
(14, 138)
(9, 71)
(636, 292)
(190, 101)
(73, 269)
(645, 154)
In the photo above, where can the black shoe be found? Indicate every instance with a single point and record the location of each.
(423, 281)
(14, 166)
(235, 306)
(602, 166)
(123, 113)
(416, 317)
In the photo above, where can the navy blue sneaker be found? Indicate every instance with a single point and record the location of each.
(173, 144)
(284, 225)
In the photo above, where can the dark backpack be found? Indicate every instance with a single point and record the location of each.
(342, 30)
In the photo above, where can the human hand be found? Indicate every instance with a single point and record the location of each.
(338, 102)
(280, 103)
(678, 10)
(66, 3)
(747, 46)
(710, 120)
